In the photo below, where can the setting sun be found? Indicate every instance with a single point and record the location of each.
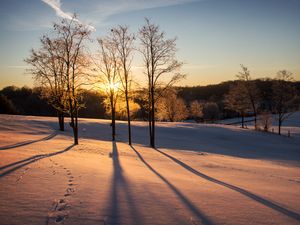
(114, 86)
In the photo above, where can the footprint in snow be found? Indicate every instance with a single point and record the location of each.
(60, 219)
(70, 190)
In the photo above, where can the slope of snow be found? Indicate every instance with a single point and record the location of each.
(199, 174)
(290, 125)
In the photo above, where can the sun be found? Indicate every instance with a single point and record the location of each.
(113, 86)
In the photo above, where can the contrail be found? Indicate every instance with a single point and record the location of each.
(56, 6)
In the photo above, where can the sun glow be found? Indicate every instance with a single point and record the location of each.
(113, 86)
(107, 87)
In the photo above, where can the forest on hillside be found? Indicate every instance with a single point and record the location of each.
(29, 101)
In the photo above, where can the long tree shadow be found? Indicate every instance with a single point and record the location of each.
(246, 193)
(119, 185)
(28, 142)
(24, 162)
(231, 141)
(187, 203)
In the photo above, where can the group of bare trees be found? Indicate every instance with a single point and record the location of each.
(158, 55)
(62, 65)
(116, 54)
(244, 98)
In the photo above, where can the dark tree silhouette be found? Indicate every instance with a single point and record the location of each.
(159, 61)
(48, 70)
(237, 100)
(109, 69)
(72, 36)
(251, 91)
(123, 42)
(283, 95)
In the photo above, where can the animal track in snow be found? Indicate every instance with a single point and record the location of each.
(22, 175)
(60, 211)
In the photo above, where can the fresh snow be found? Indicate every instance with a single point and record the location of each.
(290, 125)
(199, 174)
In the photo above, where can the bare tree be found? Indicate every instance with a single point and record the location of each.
(265, 121)
(171, 108)
(72, 35)
(237, 100)
(123, 41)
(283, 95)
(251, 90)
(109, 69)
(48, 69)
(196, 109)
(160, 64)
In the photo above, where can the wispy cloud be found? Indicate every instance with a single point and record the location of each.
(101, 10)
(56, 6)
(109, 8)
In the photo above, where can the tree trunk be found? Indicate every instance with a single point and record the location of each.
(113, 123)
(61, 123)
(149, 117)
(242, 121)
(128, 117)
(75, 131)
(74, 125)
(254, 112)
(61, 119)
(279, 126)
(152, 143)
(150, 126)
(113, 120)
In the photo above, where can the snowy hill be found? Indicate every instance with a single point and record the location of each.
(199, 174)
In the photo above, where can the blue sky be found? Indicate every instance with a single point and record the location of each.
(214, 36)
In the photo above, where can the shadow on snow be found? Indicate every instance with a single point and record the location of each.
(28, 142)
(19, 164)
(244, 192)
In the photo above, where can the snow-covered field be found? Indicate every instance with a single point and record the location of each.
(199, 174)
(291, 125)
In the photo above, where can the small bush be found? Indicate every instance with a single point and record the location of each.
(264, 121)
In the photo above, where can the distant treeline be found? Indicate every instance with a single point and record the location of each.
(216, 93)
(28, 101)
